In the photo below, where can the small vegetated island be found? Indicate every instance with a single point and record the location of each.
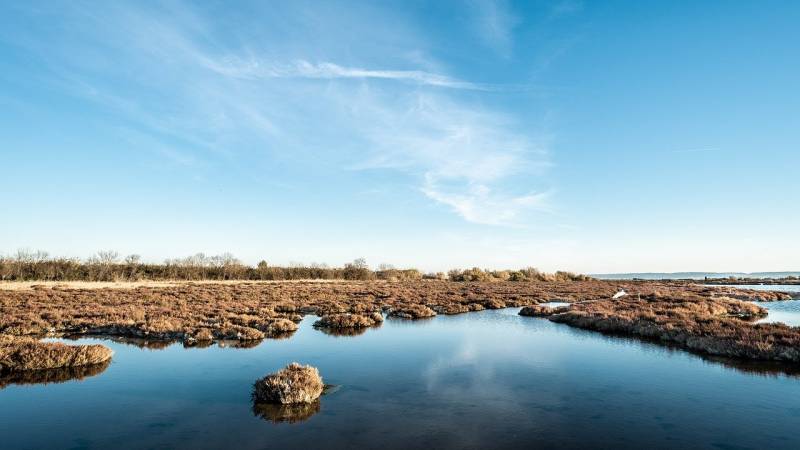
(199, 301)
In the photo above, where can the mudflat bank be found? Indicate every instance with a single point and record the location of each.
(251, 311)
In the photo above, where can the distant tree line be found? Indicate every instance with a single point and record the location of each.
(528, 274)
(28, 265)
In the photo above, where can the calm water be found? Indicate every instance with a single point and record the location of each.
(481, 380)
(787, 312)
(772, 287)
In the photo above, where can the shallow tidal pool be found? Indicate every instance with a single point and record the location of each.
(489, 379)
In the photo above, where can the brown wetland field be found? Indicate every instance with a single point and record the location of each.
(708, 319)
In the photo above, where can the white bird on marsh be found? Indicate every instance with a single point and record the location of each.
(620, 294)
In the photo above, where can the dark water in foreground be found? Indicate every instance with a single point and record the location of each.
(479, 380)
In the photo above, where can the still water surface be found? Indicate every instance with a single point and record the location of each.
(489, 379)
(787, 311)
(771, 287)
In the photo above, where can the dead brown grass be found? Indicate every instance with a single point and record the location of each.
(293, 384)
(244, 310)
(21, 353)
(348, 320)
(412, 312)
(542, 311)
(199, 313)
(715, 326)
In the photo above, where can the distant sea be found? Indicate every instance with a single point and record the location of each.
(690, 275)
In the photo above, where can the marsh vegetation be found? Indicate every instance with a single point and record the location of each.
(718, 325)
(700, 318)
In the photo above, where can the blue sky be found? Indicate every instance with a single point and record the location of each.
(586, 136)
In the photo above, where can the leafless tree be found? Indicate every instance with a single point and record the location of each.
(133, 260)
(106, 257)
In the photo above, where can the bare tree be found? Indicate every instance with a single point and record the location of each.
(133, 260)
(25, 255)
(106, 257)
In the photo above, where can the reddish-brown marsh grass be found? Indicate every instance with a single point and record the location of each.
(709, 325)
(542, 311)
(198, 313)
(348, 320)
(21, 353)
(412, 312)
(293, 384)
(253, 310)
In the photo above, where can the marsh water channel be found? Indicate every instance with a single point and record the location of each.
(787, 311)
(489, 379)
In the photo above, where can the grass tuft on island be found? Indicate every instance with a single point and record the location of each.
(294, 384)
(542, 310)
(348, 320)
(23, 354)
(412, 312)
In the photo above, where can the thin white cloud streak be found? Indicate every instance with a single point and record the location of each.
(252, 69)
(480, 205)
(465, 156)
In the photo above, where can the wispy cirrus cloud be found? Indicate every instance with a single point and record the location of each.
(254, 69)
(206, 98)
(470, 160)
(479, 204)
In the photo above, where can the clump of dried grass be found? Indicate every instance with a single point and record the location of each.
(457, 308)
(279, 327)
(348, 320)
(542, 310)
(242, 333)
(494, 303)
(200, 337)
(412, 312)
(291, 385)
(19, 353)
